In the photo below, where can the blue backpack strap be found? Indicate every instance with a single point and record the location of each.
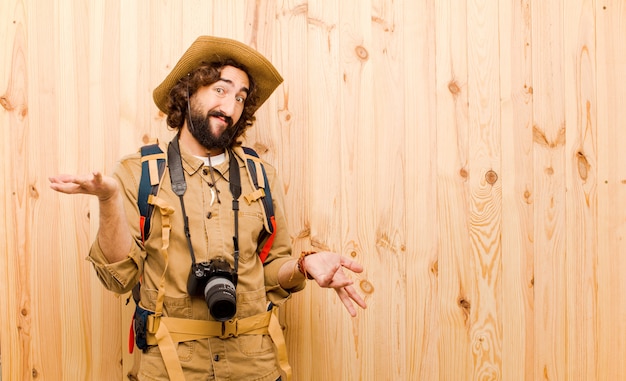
(152, 168)
(266, 200)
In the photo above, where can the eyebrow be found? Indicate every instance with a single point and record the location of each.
(245, 89)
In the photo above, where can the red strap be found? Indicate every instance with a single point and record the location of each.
(268, 244)
(142, 222)
(131, 336)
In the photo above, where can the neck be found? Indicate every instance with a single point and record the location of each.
(193, 146)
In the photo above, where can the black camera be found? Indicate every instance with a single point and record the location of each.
(216, 281)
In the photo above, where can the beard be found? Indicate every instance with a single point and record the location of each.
(201, 130)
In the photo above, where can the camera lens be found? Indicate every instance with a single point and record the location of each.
(220, 296)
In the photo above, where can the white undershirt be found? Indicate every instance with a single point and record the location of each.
(215, 160)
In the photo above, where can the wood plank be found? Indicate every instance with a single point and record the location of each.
(15, 291)
(581, 182)
(322, 142)
(65, 272)
(418, 34)
(456, 285)
(44, 110)
(517, 186)
(611, 138)
(485, 186)
(357, 144)
(385, 167)
(549, 190)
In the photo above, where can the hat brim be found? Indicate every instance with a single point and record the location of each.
(210, 49)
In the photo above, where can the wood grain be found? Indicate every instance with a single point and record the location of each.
(516, 118)
(468, 153)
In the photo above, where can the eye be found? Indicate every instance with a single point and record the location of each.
(220, 90)
(240, 99)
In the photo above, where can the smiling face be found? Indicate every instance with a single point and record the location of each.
(215, 110)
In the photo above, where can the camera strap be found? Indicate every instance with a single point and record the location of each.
(235, 190)
(179, 186)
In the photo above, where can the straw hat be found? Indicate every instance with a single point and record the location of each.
(209, 49)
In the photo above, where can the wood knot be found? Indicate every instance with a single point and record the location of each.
(454, 88)
(527, 195)
(304, 233)
(285, 114)
(366, 286)
(465, 306)
(491, 177)
(463, 173)
(6, 103)
(34, 193)
(361, 52)
(261, 148)
(583, 165)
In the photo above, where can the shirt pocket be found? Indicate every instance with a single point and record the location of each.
(184, 349)
(257, 346)
(250, 228)
(179, 307)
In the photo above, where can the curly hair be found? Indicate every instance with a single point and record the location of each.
(204, 75)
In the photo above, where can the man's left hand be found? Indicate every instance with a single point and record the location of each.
(327, 270)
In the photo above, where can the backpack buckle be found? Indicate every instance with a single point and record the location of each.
(229, 329)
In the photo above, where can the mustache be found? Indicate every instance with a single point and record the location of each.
(219, 114)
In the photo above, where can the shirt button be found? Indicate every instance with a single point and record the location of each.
(216, 358)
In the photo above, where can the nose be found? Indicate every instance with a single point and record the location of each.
(228, 106)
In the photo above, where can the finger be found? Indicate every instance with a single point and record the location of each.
(339, 279)
(347, 302)
(97, 177)
(356, 297)
(351, 265)
(63, 184)
(62, 178)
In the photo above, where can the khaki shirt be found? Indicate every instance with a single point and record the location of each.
(211, 224)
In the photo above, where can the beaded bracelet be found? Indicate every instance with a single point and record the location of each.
(301, 266)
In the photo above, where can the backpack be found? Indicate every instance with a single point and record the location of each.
(153, 162)
(153, 165)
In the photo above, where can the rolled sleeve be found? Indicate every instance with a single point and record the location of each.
(281, 248)
(119, 277)
(275, 293)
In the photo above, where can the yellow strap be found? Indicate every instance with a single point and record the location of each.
(169, 354)
(162, 335)
(154, 156)
(166, 210)
(276, 333)
(253, 196)
(179, 330)
(182, 329)
(153, 171)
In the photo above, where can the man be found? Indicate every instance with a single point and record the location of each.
(193, 325)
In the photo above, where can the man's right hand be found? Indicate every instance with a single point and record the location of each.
(95, 184)
(113, 234)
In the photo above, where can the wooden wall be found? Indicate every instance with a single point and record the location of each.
(471, 154)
